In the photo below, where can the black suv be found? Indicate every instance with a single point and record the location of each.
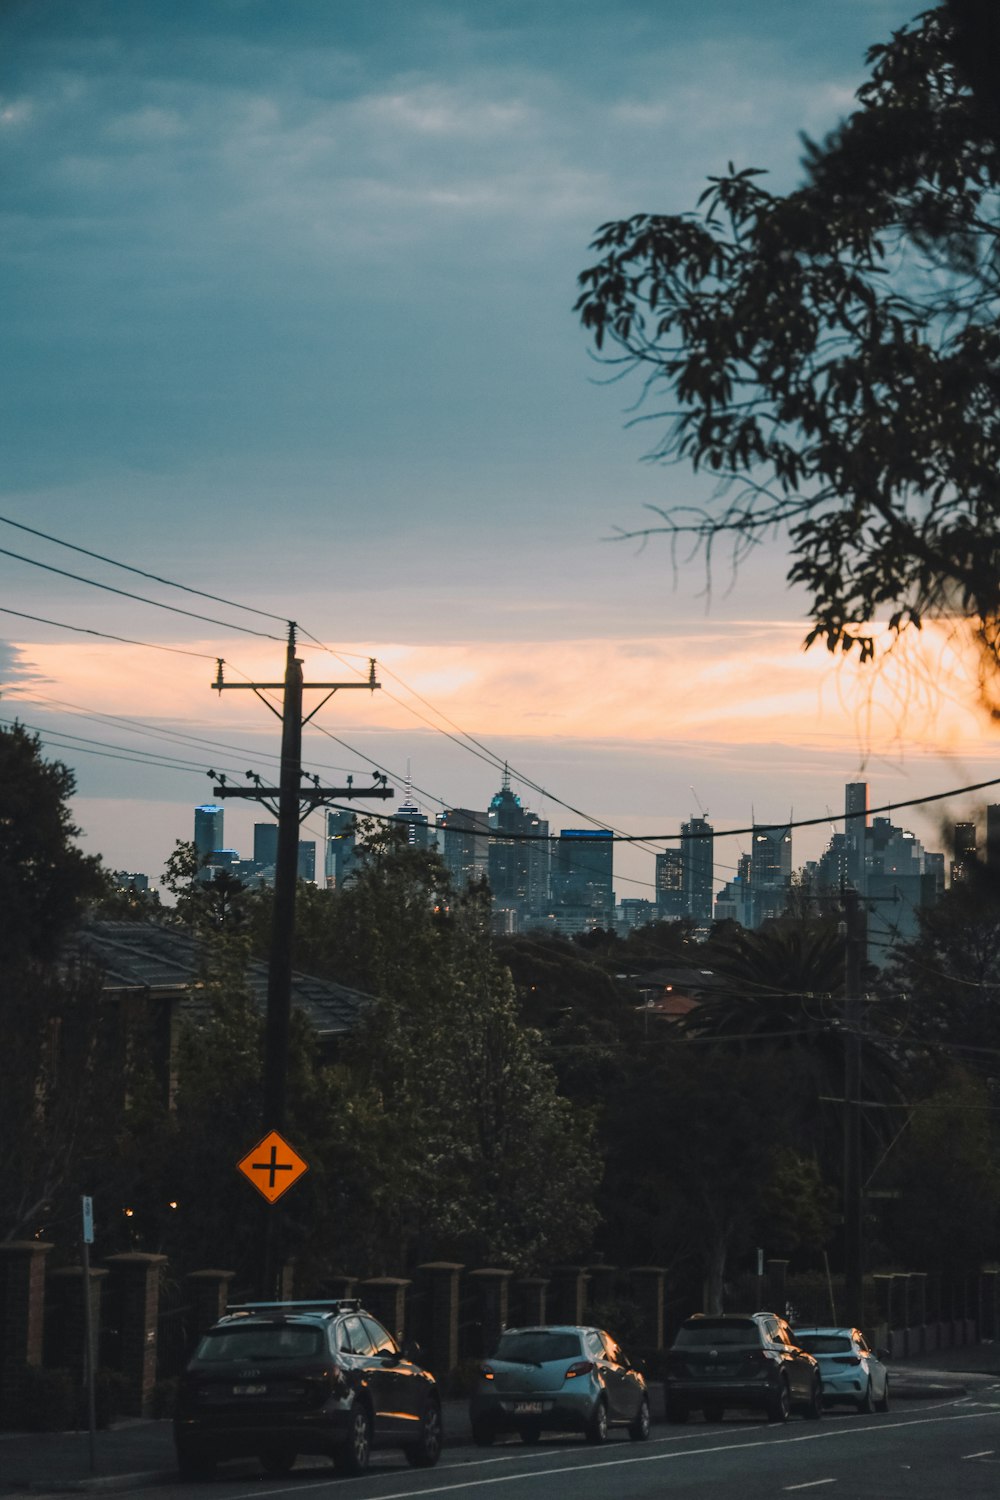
(741, 1359)
(275, 1379)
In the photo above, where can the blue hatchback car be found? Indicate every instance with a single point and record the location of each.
(851, 1371)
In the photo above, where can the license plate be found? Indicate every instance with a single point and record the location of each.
(528, 1408)
(249, 1390)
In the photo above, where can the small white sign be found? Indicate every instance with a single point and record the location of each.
(88, 1220)
(760, 1261)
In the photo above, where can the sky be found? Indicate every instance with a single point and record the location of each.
(288, 291)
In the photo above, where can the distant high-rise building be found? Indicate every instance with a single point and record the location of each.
(416, 823)
(125, 880)
(669, 880)
(518, 859)
(464, 843)
(341, 856)
(894, 882)
(964, 851)
(855, 830)
(265, 845)
(697, 850)
(582, 871)
(307, 860)
(208, 834)
(770, 870)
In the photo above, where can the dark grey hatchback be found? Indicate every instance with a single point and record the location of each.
(274, 1379)
(747, 1360)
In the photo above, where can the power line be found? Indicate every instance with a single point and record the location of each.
(128, 568)
(122, 639)
(140, 598)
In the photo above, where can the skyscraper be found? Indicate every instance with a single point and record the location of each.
(518, 859)
(416, 823)
(669, 879)
(964, 851)
(855, 832)
(770, 870)
(265, 845)
(341, 858)
(462, 833)
(582, 873)
(697, 850)
(208, 835)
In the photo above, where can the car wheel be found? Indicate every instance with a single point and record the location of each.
(425, 1453)
(483, 1433)
(712, 1411)
(779, 1406)
(866, 1404)
(597, 1427)
(276, 1462)
(883, 1405)
(352, 1456)
(677, 1411)
(814, 1411)
(639, 1429)
(193, 1463)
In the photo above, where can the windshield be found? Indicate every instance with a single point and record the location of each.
(708, 1333)
(824, 1343)
(258, 1341)
(537, 1346)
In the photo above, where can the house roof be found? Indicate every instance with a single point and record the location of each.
(150, 956)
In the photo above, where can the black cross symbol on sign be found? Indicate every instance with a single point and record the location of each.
(272, 1166)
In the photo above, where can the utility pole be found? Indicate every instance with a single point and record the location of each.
(291, 803)
(853, 1187)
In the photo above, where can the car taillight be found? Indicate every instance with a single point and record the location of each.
(846, 1359)
(486, 1372)
(582, 1367)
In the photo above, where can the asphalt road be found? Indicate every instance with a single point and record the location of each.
(926, 1450)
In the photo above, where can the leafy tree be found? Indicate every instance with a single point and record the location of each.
(945, 1169)
(45, 880)
(831, 354)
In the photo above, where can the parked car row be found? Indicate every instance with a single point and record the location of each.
(272, 1380)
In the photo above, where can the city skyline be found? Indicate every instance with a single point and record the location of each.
(291, 324)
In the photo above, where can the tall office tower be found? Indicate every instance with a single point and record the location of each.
(462, 837)
(307, 860)
(669, 879)
(582, 873)
(932, 885)
(341, 855)
(855, 832)
(895, 883)
(964, 850)
(518, 860)
(208, 830)
(697, 850)
(265, 845)
(993, 836)
(416, 823)
(831, 873)
(770, 870)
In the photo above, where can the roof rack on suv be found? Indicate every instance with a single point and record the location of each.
(319, 1305)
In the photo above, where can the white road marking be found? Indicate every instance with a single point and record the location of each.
(986, 1453)
(616, 1463)
(810, 1484)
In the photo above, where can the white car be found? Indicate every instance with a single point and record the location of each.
(851, 1371)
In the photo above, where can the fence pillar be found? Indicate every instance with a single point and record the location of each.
(440, 1336)
(209, 1292)
(385, 1298)
(647, 1284)
(918, 1312)
(567, 1297)
(491, 1286)
(65, 1321)
(528, 1298)
(22, 1319)
(135, 1290)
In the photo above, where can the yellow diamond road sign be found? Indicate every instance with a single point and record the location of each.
(272, 1166)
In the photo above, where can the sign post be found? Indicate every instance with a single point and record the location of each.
(87, 1239)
